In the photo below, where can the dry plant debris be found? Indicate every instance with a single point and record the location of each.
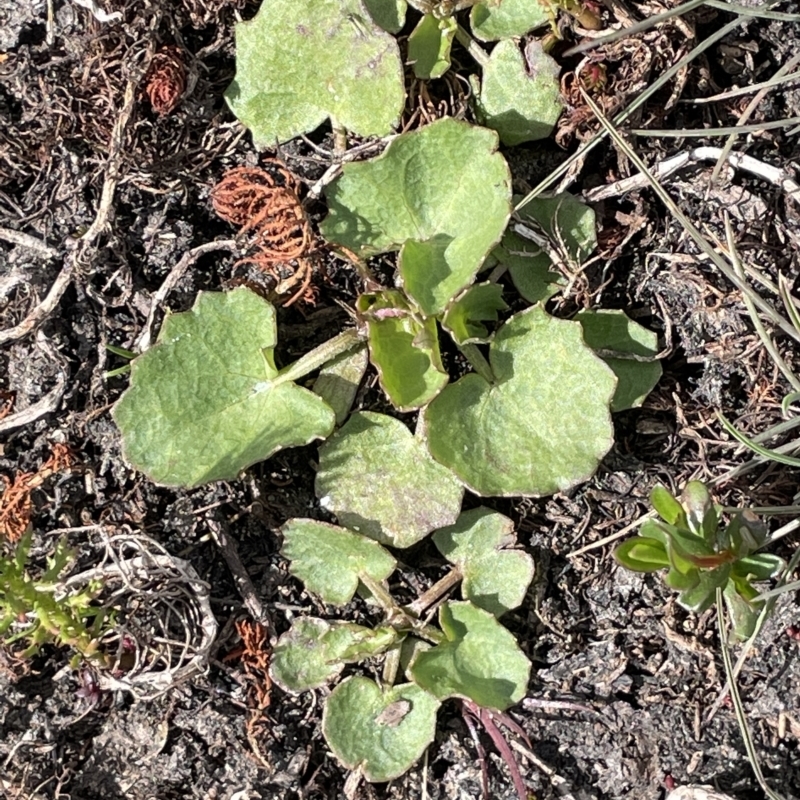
(166, 80)
(16, 506)
(254, 654)
(6, 403)
(270, 211)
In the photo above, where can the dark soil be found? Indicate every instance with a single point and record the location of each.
(638, 674)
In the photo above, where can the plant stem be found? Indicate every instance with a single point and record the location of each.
(478, 362)
(314, 359)
(391, 664)
(472, 47)
(439, 589)
(339, 137)
(381, 595)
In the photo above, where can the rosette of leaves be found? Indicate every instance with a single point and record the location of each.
(701, 554)
(380, 731)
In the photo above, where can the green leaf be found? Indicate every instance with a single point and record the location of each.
(313, 652)
(613, 332)
(338, 381)
(529, 267)
(542, 427)
(465, 315)
(480, 660)
(759, 567)
(440, 195)
(380, 732)
(667, 507)
(703, 594)
(520, 96)
(701, 515)
(744, 615)
(389, 14)
(404, 349)
(567, 221)
(429, 46)
(495, 576)
(330, 560)
(380, 481)
(497, 19)
(642, 555)
(298, 64)
(206, 401)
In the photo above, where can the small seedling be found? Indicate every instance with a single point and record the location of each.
(40, 610)
(380, 730)
(701, 554)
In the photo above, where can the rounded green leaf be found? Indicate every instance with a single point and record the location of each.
(380, 480)
(404, 349)
(440, 194)
(330, 560)
(297, 64)
(529, 266)
(204, 402)
(491, 20)
(380, 732)
(389, 14)
(313, 652)
(520, 96)
(338, 381)
(480, 660)
(429, 46)
(569, 223)
(542, 427)
(495, 577)
(465, 316)
(613, 332)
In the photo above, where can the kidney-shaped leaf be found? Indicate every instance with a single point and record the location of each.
(204, 402)
(480, 660)
(379, 480)
(440, 194)
(491, 20)
(612, 333)
(495, 577)
(569, 223)
(465, 316)
(529, 266)
(329, 560)
(380, 732)
(542, 427)
(520, 96)
(313, 652)
(297, 64)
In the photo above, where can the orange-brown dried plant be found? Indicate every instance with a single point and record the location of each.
(166, 80)
(254, 654)
(268, 208)
(16, 506)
